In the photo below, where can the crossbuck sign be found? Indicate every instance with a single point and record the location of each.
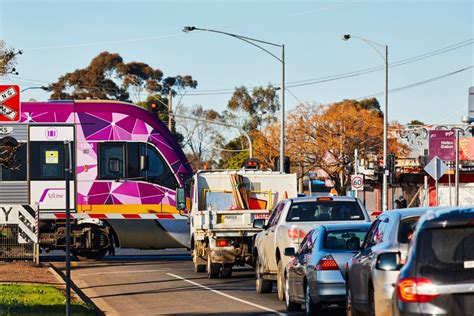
(9, 103)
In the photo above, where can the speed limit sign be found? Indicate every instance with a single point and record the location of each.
(357, 182)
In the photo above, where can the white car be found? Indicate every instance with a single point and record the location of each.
(288, 224)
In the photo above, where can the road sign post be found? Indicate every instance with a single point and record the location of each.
(357, 182)
(436, 168)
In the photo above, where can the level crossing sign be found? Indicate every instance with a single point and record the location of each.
(9, 103)
(436, 168)
(357, 182)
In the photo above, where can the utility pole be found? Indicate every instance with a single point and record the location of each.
(456, 171)
(385, 137)
(68, 226)
(170, 109)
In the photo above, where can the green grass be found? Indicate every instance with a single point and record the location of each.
(33, 299)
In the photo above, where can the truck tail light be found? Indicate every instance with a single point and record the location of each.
(327, 263)
(222, 243)
(419, 290)
(296, 234)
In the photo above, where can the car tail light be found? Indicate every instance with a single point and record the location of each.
(327, 263)
(296, 234)
(222, 243)
(419, 290)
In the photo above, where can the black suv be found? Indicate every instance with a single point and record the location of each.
(438, 277)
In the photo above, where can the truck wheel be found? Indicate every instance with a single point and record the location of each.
(213, 269)
(198, 265)
(226, 270)
(281, 281)
(262, 286)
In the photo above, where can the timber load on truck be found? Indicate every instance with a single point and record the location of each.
(224, 206)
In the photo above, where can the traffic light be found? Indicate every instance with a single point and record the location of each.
(286, 164)
(153, 106)
(252, 164)
(391, 168)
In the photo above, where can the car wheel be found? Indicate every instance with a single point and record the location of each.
(281, 281)
(226, 270)
(213, 269)
(311, 308)
(262, 286)
(290, 306)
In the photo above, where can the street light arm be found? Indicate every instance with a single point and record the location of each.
(368, 42)
(235, 35)
(246, 39)
(32, 88)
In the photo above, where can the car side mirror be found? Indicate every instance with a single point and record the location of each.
(290, 252)
(143, 163)
(389, 261)
(259, 223)
(180, 199)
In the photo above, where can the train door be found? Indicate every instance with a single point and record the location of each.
(48, 160)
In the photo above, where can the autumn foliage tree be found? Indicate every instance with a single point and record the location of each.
(325, 137)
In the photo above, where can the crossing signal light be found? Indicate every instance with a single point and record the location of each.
(252, 164)
(286, 164)
(391, 167)
(153, 107)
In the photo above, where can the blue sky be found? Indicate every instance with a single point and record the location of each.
(60, 36)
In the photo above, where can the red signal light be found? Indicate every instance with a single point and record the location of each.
(222, 243)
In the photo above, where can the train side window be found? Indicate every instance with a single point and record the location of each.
(133, 161)
(157, 170)
(111, 161)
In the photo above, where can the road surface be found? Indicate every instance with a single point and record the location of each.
(165, 284)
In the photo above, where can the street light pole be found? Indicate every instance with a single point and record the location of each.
(372, 44)
(254, 41)
(282, 114)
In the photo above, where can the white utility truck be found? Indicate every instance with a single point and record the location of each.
(224, 205)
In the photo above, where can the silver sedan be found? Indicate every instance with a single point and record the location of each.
(315, 275)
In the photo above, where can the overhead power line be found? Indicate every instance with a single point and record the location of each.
(355, 73)
(419, 83)
(314, 80)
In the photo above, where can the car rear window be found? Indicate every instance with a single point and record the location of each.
(341, 239)
(406, 228)
(446, 254)
(318, 211)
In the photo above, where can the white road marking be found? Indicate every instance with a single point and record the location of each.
(130, 271)
(226, 295)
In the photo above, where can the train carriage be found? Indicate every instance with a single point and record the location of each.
(127, 166)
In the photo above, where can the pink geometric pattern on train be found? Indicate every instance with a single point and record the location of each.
(95, 126)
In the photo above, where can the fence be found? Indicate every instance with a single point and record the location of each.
(18, 232)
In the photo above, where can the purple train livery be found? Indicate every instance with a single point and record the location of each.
(127, 165)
